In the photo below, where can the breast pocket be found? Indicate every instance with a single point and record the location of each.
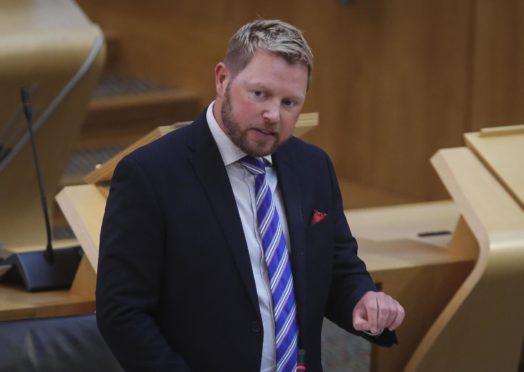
(319, 241)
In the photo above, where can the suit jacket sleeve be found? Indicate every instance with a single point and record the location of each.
(130, 273)
(350, 278)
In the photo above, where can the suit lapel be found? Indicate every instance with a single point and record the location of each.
(209, 168)
(291, 192)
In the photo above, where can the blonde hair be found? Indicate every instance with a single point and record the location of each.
(274, 36)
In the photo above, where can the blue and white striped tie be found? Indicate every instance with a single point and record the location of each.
(279, 269)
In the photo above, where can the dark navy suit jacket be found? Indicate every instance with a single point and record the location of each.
(175, 289)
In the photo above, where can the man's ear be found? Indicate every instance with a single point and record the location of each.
(222, 76)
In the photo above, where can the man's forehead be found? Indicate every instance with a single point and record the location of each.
(270, 63)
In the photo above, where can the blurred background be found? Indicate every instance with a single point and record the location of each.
(393, 81)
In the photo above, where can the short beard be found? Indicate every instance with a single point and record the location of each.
(233, 131)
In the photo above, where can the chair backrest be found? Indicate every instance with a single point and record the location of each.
(55, 344)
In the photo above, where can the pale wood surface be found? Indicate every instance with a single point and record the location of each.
(488, 208)
(502, 151)
(305, 123)
(84, 283)
(405, 222)
(399, 254)
(18, 303)
(83, 206)
(502, 130)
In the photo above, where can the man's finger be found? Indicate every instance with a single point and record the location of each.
(400, 314)
(384, 310)
(371, 309)
(394, 308)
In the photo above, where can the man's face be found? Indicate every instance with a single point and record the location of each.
(259, 107)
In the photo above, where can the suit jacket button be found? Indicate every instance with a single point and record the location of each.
(255, 327)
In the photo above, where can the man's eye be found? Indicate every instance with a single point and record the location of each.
(288, 103)
(258, 93)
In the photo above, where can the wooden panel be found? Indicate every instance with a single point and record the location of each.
(126, 118)
(423, 291)
(498, 80)
(393, 89)
(172, 42)
(355, 195)
(418, 271)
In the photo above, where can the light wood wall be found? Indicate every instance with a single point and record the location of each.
(394, 81)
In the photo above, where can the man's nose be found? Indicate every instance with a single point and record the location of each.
(271, 112)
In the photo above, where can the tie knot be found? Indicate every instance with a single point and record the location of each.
(253, 165)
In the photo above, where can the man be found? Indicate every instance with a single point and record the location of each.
(214, 261)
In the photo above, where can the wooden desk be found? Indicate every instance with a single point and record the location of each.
(18, 303)
(409, 267)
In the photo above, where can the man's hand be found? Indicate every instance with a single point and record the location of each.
(376, 311)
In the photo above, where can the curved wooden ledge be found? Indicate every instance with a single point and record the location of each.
(481, 328)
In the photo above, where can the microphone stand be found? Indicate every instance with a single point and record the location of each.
(50, 269)
(26, 104)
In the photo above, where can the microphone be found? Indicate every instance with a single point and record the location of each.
(50, 269)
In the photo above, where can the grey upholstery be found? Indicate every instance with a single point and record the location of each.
(54, 344)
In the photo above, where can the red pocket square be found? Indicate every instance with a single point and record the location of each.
(317, 217)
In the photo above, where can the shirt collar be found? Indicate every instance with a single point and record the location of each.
(230, 152)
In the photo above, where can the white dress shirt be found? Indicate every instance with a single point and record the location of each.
(243, 184)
